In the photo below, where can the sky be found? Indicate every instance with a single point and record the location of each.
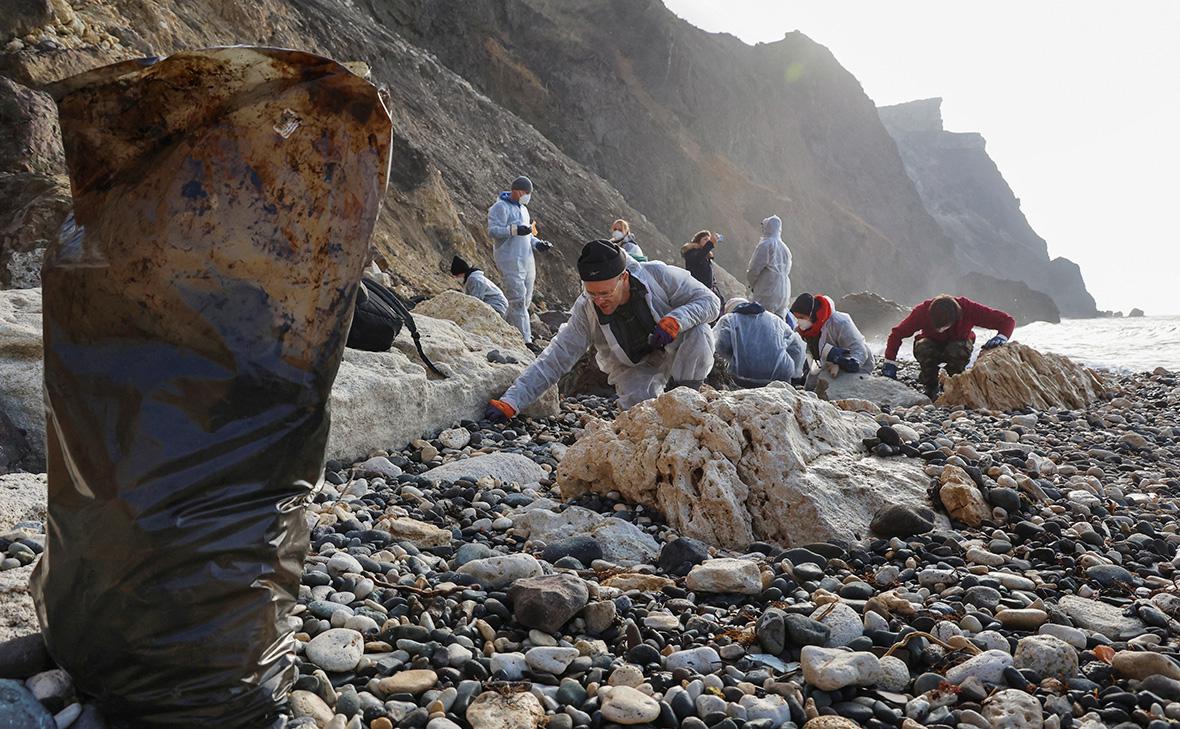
(1079, 103)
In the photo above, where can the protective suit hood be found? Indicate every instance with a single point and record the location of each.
(772, 227)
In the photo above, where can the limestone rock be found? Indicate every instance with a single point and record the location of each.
(830, 669)
(987, 667)
(622, 542)
(497, 572)
(635, 581)
(1100, 617)
(493, 710)
(831, 722)
(739, 576)
(336, 650)
(1015, 376)
(1048, 657)
(22, 498)
(379, 400)
(882, 391)
(730, 468)
(21, 370)
(625, 705)
(17, 615)
(418, 533)
(506, 467)
(1013, 709)
(961, 497)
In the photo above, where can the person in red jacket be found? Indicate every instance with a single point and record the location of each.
(944, 327)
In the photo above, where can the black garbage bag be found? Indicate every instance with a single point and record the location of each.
(195, 314)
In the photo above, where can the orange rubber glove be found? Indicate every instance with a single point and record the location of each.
(499, 411)
(665, 331)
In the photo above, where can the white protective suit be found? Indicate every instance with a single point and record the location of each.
(671, 292)
(481, 287)
(759, 347)
(632, 248)
(513, 255)
(769, 272)
(840, 331)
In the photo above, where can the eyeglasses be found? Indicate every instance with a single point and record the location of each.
(605, 296)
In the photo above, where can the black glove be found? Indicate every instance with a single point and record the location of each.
(542, 245)
(524, 230)
(835, 354)
(848, 364)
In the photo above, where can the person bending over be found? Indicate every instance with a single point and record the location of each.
(944, 325)
(648, 323)
(758, 346)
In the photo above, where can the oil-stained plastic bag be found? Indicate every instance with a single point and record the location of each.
(195, 316)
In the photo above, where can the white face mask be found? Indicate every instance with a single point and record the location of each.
(524, 199)
(616, 235)
(804, 323)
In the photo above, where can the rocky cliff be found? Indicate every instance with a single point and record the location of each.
(965, 192)
(616, 108)
(699, 130)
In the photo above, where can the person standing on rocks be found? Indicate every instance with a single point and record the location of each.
(476, 284)
(698, 259)
(832, 338)
(515, 238)
(648, 323)
(769, 272)
(620, 233)
(758, 346)
(944, 325)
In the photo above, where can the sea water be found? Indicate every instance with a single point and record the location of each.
(1138, 344)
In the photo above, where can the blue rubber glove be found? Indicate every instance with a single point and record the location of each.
(995, 341)
(889, 370)
(499, 411)
(835, 354)
(665, 331)
(848, 364)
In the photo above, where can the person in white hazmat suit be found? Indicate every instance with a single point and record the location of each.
(620, 232)
(759, 347)
(832, 339)
(648, 323)
(476, 284)
(769, 272)
(515, 239)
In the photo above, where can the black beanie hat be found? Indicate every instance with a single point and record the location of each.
(601, 260)
(522, 183)
(459, 266)
(804, 304)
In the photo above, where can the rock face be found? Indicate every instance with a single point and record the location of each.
(380, 400)
(882, 391)
(22, 498)
(383, 400)
(873, 314)
(34, 192)
(1015, 297)
(21, 371)
(732, 468)
(1014, 376)
(965, 192)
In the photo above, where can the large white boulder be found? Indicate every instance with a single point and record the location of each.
(22, 371)
(383, 400)
(1015, 376)
(882, 391)
(730, 468)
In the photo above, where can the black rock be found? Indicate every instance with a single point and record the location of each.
(772, 631)
(802, 630)
(681, 555)
(22, 657)
(1006, 499)
(901, 520)
(583, 548)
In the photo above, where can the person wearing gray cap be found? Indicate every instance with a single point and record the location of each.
(515, 239)
(648, 323)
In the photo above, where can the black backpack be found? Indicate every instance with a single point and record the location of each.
(377, 319)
